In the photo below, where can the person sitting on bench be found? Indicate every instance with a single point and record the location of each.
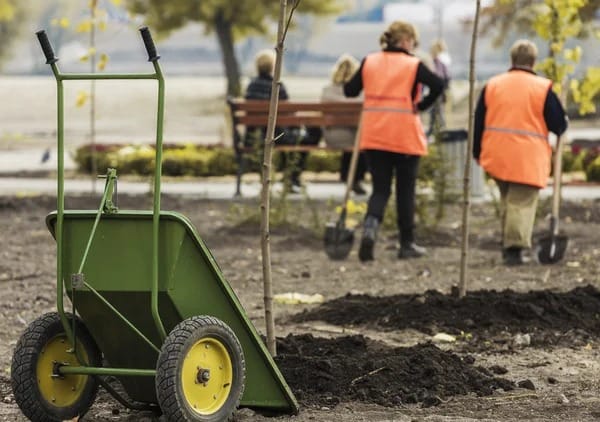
(259, 88)
(343, 137)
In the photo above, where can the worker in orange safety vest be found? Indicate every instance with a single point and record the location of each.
(392, 135)
(515, 112)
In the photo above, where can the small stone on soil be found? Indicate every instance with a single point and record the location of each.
(522, 340)
(499, 370)
(469, 359)
(552, 380)
(431, 401)
(528, 384)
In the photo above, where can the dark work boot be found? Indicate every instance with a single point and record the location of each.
(358, 189)
(512, 256)
(411, 250)
(367, 243)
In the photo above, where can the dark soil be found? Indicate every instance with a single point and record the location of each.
(376, 357)
(547, 316)
(326, 372)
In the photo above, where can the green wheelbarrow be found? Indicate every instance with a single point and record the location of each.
(153, 320)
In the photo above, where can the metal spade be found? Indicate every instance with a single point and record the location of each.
(339, 238)
(551, 248)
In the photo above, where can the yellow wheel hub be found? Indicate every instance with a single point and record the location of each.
(60, 391)
(206, 376)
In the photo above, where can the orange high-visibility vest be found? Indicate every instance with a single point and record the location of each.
(514, 147)
(389, 122)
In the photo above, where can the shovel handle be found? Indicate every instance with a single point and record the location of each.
(353, 165)
(557, 171)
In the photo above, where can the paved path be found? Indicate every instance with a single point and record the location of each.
(224, 189)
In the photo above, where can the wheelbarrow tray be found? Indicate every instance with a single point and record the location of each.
(119, 267)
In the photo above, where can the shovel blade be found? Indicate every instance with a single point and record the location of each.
(338, 241)
(551, 249)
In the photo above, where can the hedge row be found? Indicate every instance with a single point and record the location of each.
(219, 160)
(587, 161)
(184, 160)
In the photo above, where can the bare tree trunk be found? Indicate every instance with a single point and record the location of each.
(224, 32)
(466, 187)
(265, 203)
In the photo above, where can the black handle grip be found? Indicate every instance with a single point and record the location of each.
(149, 43)
(46, 47)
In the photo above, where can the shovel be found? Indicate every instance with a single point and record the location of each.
(551, 249)
(339, 238)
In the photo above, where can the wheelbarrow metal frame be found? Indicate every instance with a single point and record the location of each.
(107, 196)
(285, 400)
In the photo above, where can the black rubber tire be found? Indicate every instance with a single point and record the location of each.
(28, 350)
(169, 389)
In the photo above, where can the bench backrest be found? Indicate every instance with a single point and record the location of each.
(296, 113)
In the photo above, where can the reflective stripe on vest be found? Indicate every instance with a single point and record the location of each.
(389, 109)
(517, 131)
(514, 145)
(389, 122)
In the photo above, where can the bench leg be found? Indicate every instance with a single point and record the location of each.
(240, 171)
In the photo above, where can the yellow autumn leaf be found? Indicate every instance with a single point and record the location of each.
(64, 22)
(573, 54)
(116, 2)
(353, 208)
(7, 11)
(351, 223)
(90, 53)
(84, 26)
(82, 97)
(103, 61)
(575, 90)
(102, 25)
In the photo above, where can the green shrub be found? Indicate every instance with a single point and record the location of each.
(592, 172)
(222, 162)
(589, 156)
(430, 164)
(574, 162)
(568, 160)
(188, 161)
(218, 160)
(320, 161)
(578, 162)
(135, 160)
(104, 157)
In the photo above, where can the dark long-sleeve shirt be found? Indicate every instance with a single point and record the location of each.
(259, 88)
(554, 116)
(354, 86)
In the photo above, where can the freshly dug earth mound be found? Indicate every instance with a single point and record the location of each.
(325, 372)
(548, 316)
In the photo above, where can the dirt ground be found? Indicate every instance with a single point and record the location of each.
(527, 338)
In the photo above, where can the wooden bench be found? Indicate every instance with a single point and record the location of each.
(255, 113)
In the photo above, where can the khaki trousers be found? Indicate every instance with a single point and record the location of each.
(518, 204)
